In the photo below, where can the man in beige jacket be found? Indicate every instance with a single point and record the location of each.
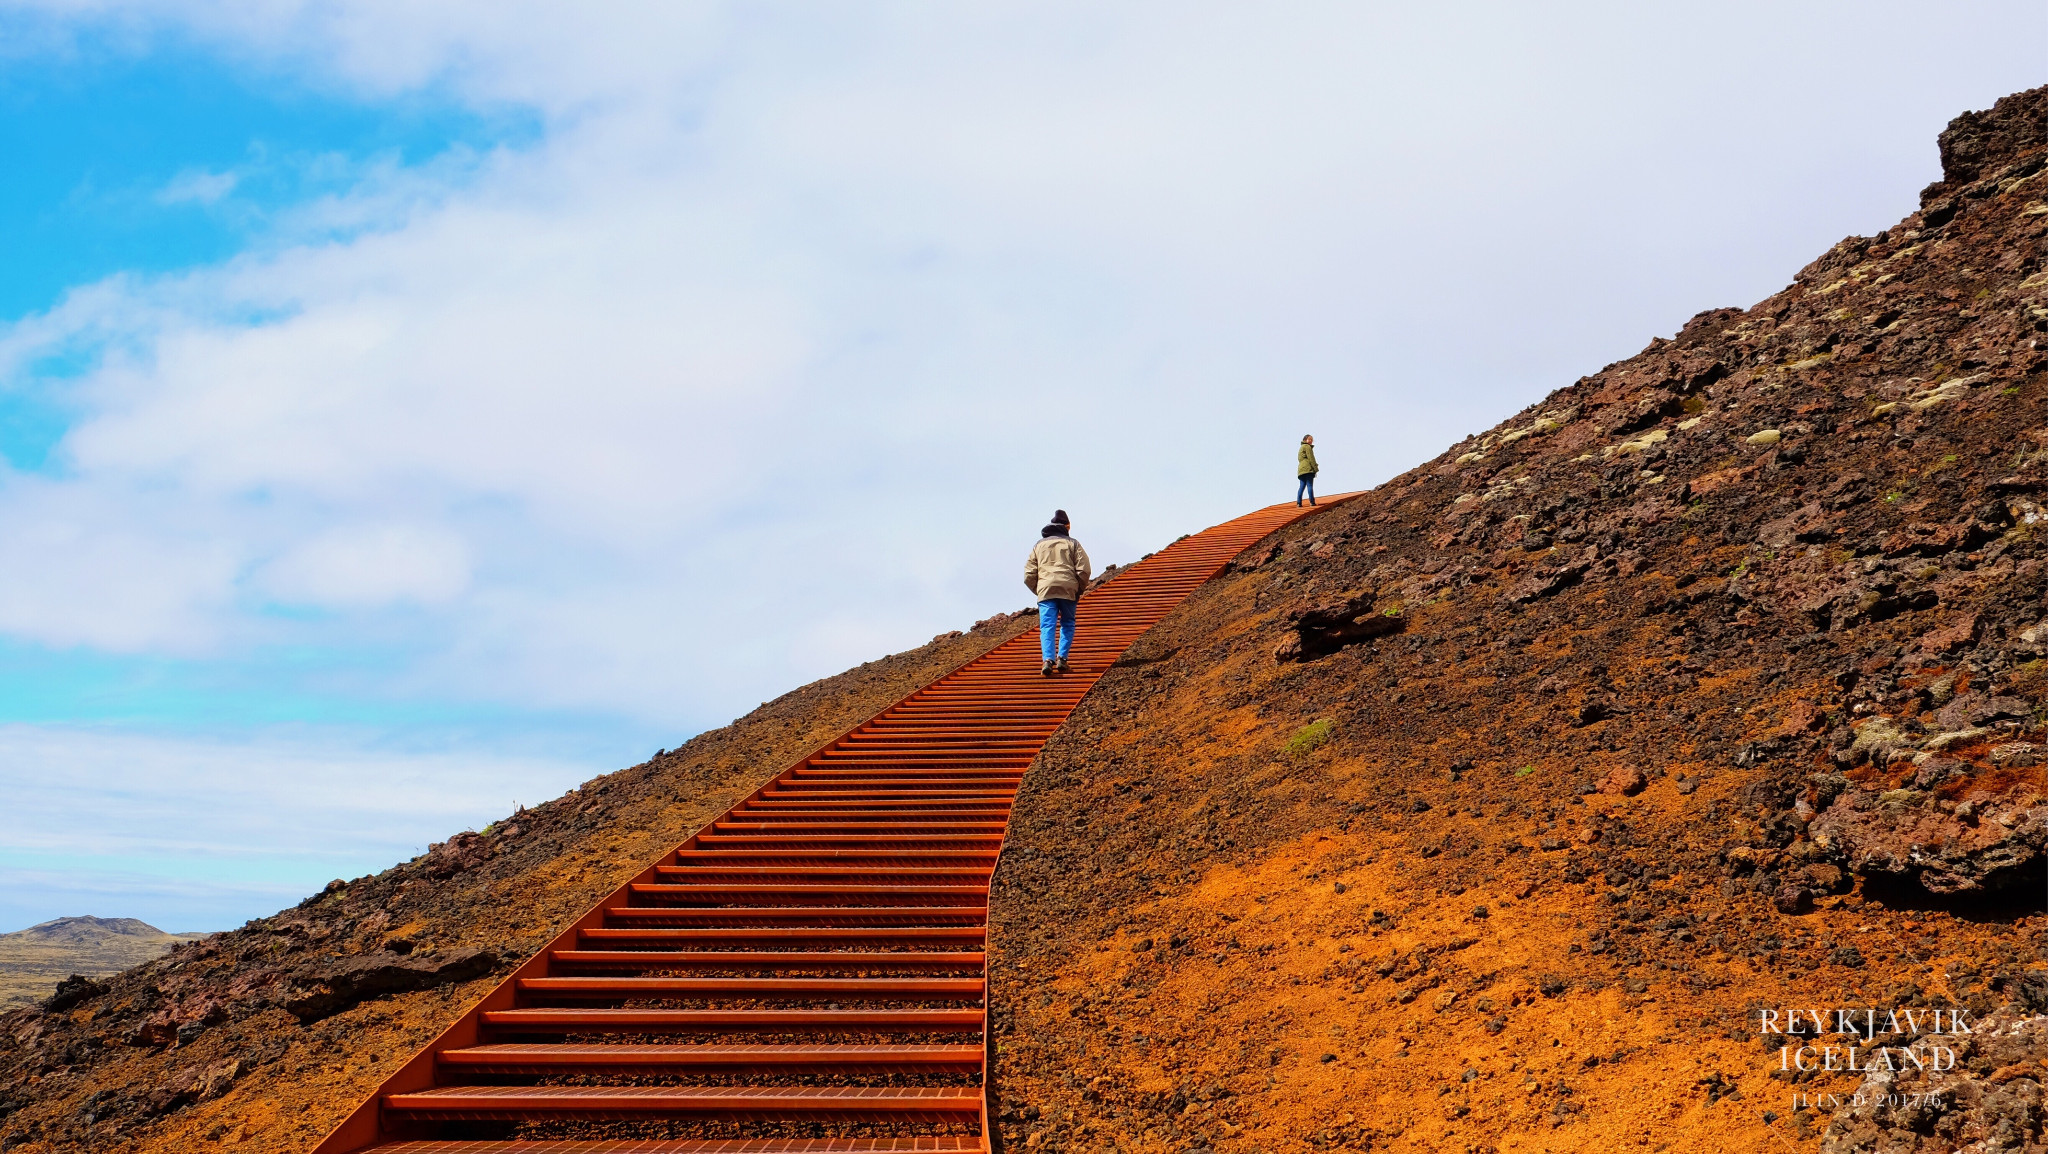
(1056, 573)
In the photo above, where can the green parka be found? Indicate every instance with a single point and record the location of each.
(1305, 461)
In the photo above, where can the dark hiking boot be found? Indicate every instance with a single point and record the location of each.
(1062, 667)
(1045, 670)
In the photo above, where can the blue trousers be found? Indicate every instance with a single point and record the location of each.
(1308, 485)
(1056, 616)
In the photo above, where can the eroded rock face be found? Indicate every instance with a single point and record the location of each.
(1975, 144)
(1952, 801)
(71, 991)
(1624, 780)
(192, 1084)
(464, 851)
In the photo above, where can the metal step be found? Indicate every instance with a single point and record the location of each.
(781, 1103)
(610, 1021)
(950, 1144)
(867, 989)
(764, 959)
(546, 1060)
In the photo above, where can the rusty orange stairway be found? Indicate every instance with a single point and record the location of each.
(806, 973)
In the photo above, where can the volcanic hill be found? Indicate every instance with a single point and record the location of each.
(1498, 809)
(34, 960)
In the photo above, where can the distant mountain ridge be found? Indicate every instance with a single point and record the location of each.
(34, 960)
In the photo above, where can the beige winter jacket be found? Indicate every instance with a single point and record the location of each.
(1057, 569)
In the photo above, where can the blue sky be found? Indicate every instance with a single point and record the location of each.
(160, 160)
(150, 161)
(410, 410)
(144, 160)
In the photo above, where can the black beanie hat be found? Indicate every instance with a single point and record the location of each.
(1059, 517)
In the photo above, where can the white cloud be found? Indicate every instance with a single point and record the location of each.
(198, 186)
(366, 566)
(84, 565)
(783, 337)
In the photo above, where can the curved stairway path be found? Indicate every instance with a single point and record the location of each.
(806, 972)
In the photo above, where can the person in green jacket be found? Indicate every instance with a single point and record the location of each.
(1305, 469)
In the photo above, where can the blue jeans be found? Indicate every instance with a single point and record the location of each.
(1058, 612)
(1308, 485)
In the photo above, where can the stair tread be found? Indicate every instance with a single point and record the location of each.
(855, 855)
(766, 958)
(444, 1094)
(631, 985)
(702, 913)
(704, 872)
(950, 1144)
(581, 1054)
(776, 933)
(878, 890)
(617, 1018)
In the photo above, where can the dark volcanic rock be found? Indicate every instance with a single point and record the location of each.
(1323, 629)
(1976, 144)
(71, 991)
(1793, 899)
(329, 989)
(462, 852)
(194, 1084)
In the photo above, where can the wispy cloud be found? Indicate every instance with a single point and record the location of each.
(197, 186)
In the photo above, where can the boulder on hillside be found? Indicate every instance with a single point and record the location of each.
(332, 988)
(1623, 781)
(1324, 629)
(71, 991)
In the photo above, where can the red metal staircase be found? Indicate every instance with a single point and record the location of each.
(806, 972)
